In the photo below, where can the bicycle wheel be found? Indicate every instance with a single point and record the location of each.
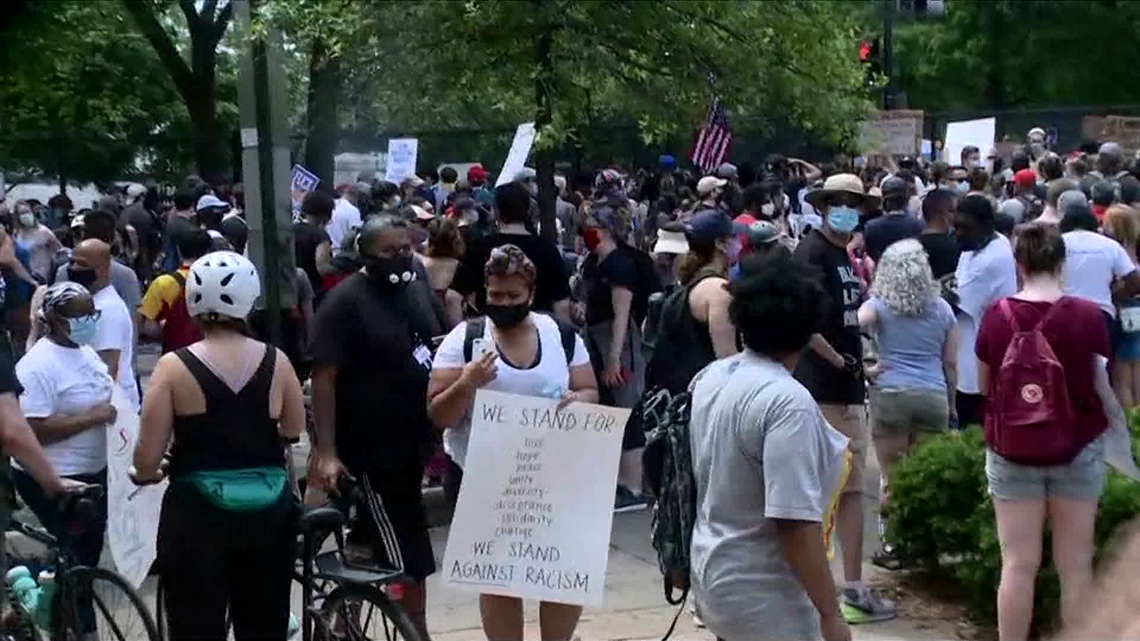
(362, 613)
(100, 599)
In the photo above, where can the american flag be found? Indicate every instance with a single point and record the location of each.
(713, 139)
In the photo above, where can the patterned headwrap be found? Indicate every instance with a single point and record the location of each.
(54, 299)
(509, 260)
(613, 219)
(609, 185)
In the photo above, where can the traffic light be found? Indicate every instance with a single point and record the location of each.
(869, 55)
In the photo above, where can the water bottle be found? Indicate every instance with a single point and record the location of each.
(47, 593)
(24, 588)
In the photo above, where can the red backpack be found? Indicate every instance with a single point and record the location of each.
(1030, 406)
(178, 329)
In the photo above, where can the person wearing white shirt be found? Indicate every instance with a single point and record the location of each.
(986, 272)
(67, 402)
(346, 215)
(1094, 263)
(115, 335)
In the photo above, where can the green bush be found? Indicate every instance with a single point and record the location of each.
(940, 517)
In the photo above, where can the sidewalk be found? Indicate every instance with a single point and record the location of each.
(635, 606)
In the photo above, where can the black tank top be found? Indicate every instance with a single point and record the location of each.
(235, 431)
(689, 345)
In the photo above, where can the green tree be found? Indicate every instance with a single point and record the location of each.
(567, 64)
(196, 79)
(1005, 54)
(82, 98)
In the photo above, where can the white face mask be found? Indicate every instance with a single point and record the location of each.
(27, 219)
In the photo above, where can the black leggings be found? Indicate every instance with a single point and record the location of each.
(211, 558)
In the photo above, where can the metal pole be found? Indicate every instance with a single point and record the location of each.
(888, 52)
(265, 174)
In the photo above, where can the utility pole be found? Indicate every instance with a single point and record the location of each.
(888, 52)
(265, 167)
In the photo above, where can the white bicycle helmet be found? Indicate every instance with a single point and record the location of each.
(223, 283)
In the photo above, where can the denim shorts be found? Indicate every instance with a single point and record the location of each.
(1081, 479)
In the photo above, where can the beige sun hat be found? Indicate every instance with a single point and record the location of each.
(836, 183)
(671, 242)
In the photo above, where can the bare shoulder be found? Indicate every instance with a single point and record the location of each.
(711, 289)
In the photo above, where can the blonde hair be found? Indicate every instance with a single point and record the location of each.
(903, 279)
(1125, 224)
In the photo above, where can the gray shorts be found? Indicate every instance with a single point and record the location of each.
(906, 411)
(1081, 479)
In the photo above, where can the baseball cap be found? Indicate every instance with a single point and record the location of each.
(1110, 149)
(666, 161)
(1013, 208)
(1103, 192)
(893, 186)
(709, 226)
(727, 171)
(476, 174)
(77, 221)
(1025, 179)
(210, 200)
(525, 174)
(1073, 200)
(709, 183)
(762, 232)
(421, 213)
(134, 190)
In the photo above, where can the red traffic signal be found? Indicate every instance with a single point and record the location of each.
(865, 50)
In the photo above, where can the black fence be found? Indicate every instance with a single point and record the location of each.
(1066, 123)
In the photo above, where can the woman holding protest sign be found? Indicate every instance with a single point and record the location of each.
(517, 351)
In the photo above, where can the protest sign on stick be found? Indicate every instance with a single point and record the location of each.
(516, 157)
(402, 153)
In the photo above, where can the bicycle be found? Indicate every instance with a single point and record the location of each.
(342, 599)
(119, 611)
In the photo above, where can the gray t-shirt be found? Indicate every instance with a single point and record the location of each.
(761, 451)
(123, 279)
(910, 347)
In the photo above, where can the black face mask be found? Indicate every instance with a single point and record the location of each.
(507, 316)
(389, 272)
(85, 277)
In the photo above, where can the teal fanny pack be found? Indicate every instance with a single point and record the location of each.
(242, 490)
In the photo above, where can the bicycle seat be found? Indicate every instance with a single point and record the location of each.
(320, 519)
(333, 565)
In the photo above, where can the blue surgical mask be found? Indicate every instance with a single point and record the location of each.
(82, 330)
(963, 186)
(843, 219)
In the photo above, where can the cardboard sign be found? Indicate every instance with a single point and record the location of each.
(967, 133)
(891, 133)
(516, 157)
(402, 154)
(302, 183)
(1124, 130)
(132, 511)
(536, 505)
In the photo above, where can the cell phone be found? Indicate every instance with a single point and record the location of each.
(481, 346)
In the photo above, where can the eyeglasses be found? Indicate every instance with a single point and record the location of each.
(93, 317)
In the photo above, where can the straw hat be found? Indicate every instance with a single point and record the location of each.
(836, 183)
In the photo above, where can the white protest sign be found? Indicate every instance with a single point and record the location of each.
(536, 505)
(401, 159)
(967, 133)
(891, 133)
(516, 157)
(132, 511)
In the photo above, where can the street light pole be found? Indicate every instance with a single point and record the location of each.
(888, 52)
(265, 166)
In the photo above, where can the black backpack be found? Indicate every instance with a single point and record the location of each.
(476, 328)
(648, 283)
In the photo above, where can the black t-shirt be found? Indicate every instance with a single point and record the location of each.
(827, 383)
(887, 230)
(617, 270)
(138, 217)
(943, 251)
(8, 381)
(178, 228)
(370, 334)
(552, 283)
(306, 238)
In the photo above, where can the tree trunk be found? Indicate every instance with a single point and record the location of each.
(207, 138)
(545, 154)
(324, 98)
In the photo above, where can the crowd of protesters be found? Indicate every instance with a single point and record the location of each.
(868, 306)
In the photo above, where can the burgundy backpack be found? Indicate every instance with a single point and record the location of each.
(1031, 410)
(178, 329)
